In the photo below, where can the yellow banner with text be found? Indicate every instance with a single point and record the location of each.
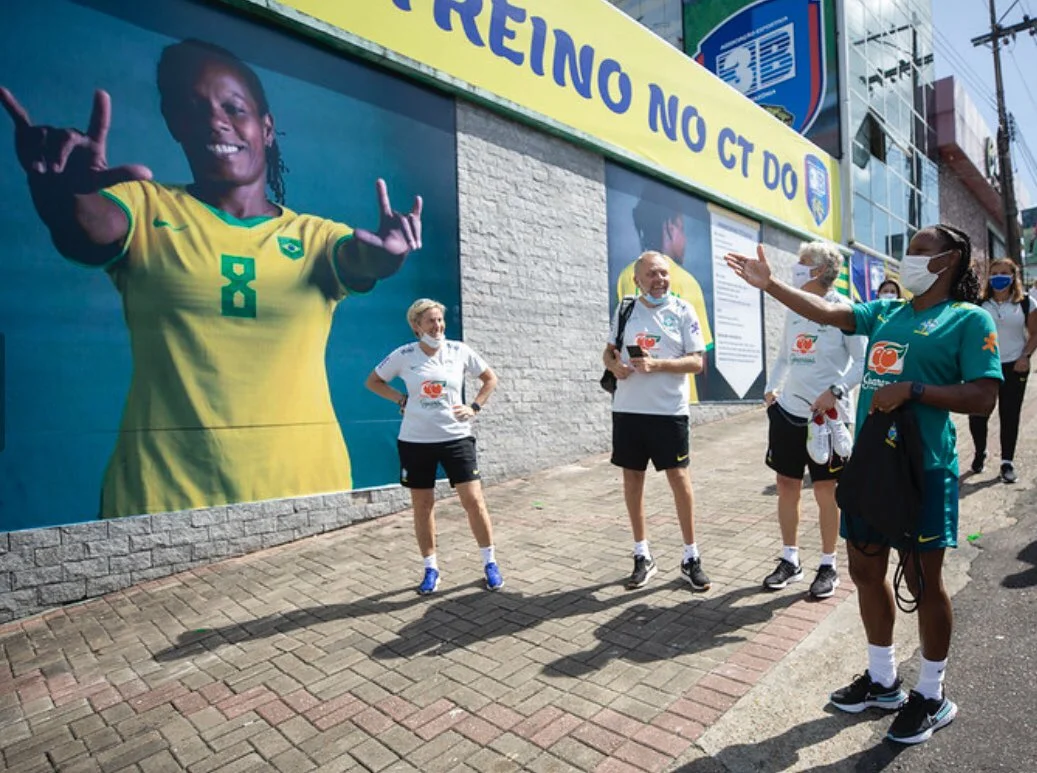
(586, 66)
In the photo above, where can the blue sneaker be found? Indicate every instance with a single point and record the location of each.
(430, 583)
(494, 581)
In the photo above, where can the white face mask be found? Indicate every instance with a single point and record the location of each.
(888, 296)
(430, 341)
(801, 274)
(915, 275)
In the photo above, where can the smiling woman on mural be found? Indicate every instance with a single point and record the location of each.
(228, 296)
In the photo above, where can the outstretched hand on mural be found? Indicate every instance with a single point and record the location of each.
(756, 272)
(398, 234)
(68, 160)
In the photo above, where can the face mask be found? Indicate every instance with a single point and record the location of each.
(656, 301)
(915, 275)
(430, 342)
(888, 296)
(801, 274)
(1000, 282)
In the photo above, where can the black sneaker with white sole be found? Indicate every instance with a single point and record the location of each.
(825, 582)
(691, 570)
(644, 570)
(785, 573)
(862, 693)
(1008, 474)
(920, 718)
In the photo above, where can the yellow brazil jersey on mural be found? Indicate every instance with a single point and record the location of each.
(228, 322)
(685, 287)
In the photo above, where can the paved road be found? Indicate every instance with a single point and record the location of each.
(319, 656)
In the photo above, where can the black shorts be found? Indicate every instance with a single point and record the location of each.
(787, 448)
(418, 462)
(638, 437)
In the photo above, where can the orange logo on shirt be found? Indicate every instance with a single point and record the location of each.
(804, 343)
(432, 389)
(887, 358)
(990, 342)
(646, 341)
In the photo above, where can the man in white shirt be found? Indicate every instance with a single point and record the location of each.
(662, 343)
(809, 404)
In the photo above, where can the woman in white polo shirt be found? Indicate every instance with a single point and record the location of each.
(1016, 320)
(436, 430)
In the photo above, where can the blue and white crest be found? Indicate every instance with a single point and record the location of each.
(818, 190)
(773, 52)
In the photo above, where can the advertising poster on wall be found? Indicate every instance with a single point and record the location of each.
(644, 214)
(782, 54)
(187, 314)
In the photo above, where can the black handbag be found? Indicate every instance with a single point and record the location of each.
(883, 482)
(626, 308)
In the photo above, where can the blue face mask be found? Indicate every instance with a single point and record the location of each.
(1000, 282)
(655, 301)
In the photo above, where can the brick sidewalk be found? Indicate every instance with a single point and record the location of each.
(319, 655)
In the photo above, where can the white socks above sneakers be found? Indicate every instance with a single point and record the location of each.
(487, 555)
(930, 679)
(882, 665)
(791, 554)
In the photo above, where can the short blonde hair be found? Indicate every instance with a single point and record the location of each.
(646, 256)
(827, 256)
(419, 307)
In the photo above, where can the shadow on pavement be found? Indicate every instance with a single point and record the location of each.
(1028, 577)
(966, 486)
(646, 634)
(782, 751)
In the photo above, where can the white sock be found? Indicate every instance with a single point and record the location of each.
(882, 665)
(930, 678)
(1006, 461)
(791, 554)
(487, 555)
(430, 562)
(641, 549)
(691, 552)
(828, 559)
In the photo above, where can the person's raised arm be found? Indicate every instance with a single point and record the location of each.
(66, 169)
(757, 272)
(373, 255)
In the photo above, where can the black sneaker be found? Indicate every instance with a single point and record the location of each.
(691, 570)
(1008, 473)
(978, 461)
(644, 570)
(785, 573)
(825, 582)
(863, 693)
(920, 718)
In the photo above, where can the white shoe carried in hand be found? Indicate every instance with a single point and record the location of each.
(819, 440)
(842, 440)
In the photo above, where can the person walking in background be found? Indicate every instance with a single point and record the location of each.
(437, 430)
(936, 353)
(889, 290)
(661, 229)
(228, 296)
(810, 402)
(1015, 315)
(662, 343)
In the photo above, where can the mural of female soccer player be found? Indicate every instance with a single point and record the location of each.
(228, 295)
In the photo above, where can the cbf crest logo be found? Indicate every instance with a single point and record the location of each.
(817, 189)
(773, 52)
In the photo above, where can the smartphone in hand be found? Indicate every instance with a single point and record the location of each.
(635, 351)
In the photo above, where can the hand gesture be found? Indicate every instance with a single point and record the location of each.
(67, 158)
(756, 272)
(397, 235)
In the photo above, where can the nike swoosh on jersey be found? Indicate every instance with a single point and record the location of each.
(157, 223)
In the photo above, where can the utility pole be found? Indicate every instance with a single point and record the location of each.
(997, 32)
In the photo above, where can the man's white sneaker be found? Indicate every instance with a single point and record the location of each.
(819, 440)
(842, 440)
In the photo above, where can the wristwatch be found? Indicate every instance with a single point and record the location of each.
(917, 390)
(475, 407)
(836, 390)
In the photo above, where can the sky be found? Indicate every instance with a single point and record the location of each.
(957, 22)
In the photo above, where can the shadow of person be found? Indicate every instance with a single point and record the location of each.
(968, 487)
(782, 752)
(195, 642)
(1028, 577)
(645, 634)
